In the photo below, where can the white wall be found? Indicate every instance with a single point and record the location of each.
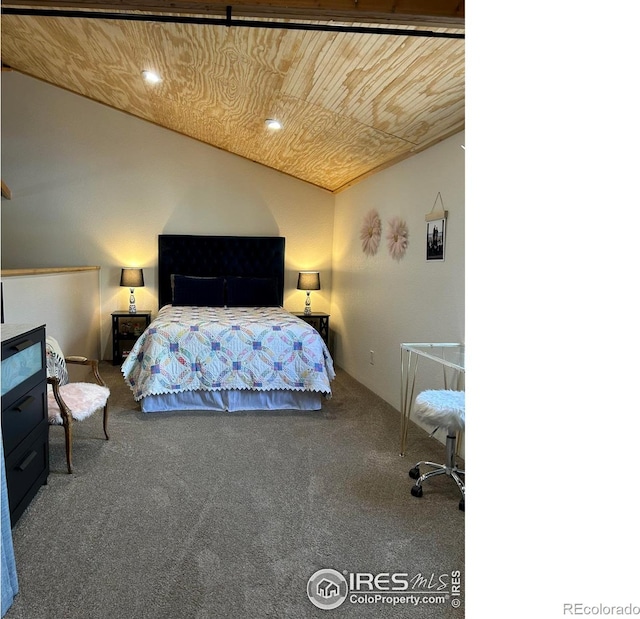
(94, 186)
(67, 303)
(378, 302)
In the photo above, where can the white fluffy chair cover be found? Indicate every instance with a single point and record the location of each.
(83, 399)
(442, 408)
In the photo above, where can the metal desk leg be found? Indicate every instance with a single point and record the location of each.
(406, 393)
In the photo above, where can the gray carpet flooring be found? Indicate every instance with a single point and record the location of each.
(205, 515)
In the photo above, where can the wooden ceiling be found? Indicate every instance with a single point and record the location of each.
(361, 92)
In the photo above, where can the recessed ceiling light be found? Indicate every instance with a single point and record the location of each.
(273, 124)
(151, 77)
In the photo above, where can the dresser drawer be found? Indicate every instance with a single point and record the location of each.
(20, 417)
(23, 363)
(27, 469)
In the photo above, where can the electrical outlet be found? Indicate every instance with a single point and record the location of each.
(371, 355)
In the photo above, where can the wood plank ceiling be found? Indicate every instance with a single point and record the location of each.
(351, 103)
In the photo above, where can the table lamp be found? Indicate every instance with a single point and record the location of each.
(308, 280)
(132, 278)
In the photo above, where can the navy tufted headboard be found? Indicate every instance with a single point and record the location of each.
(218, 256)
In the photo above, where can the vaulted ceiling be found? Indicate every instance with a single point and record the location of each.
(357, 85)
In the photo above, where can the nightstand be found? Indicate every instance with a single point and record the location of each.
(319, 321)
(126, 328)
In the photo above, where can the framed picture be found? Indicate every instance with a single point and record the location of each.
(436, 237)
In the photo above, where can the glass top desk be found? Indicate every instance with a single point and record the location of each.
(449, 356)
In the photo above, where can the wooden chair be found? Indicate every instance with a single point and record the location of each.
(69, 401)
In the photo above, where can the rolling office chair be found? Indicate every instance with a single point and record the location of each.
(441, 408)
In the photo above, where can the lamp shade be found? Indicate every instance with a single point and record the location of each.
(308, 280)
(132, 278)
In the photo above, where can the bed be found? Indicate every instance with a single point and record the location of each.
(221, 340)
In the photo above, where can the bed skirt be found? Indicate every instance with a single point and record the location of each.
(233, 400)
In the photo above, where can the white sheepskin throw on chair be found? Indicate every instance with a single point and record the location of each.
(83, 399)
(442, 408)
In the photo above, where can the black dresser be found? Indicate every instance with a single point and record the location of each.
(25, 427)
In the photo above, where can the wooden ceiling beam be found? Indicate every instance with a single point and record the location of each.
(431, 13)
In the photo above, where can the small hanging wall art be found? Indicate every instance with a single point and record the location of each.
(397, 238)
(436, 231)
(371, 232)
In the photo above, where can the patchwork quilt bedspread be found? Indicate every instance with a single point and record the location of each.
(216, 348)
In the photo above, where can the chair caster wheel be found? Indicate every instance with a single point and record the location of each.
(416, 490)
(461, 505)
(414, 473)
